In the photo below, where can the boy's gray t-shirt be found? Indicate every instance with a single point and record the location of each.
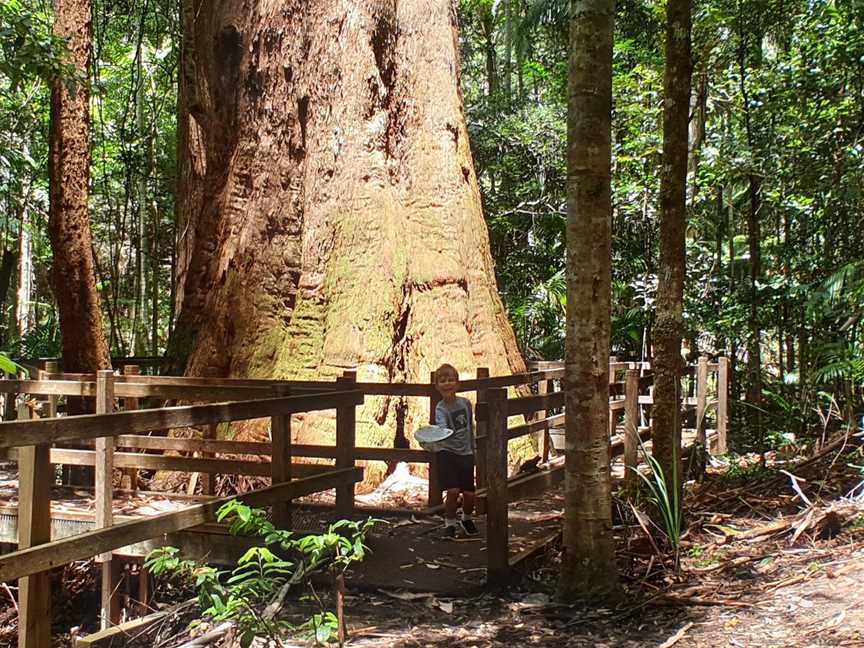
(458, 417)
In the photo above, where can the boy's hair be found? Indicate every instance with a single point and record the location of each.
(446, 367)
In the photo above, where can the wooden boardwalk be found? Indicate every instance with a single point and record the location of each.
(50, 535)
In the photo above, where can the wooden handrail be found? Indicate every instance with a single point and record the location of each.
(221, 446)
(90, 426)
(84, 545)
(193, 388)
(211, 466)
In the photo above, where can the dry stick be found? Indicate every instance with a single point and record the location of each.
(209, 637)
(340, 608)
(647, 532)
(678, 636)
(698, 600)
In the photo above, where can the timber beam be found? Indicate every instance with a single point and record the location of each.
(90, 426)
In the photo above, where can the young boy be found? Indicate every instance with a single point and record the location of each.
(456, 458)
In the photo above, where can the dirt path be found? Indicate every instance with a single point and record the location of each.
(803, 604)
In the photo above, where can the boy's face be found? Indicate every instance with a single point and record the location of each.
(446, 383)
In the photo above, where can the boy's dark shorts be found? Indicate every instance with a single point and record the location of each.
(455, 471)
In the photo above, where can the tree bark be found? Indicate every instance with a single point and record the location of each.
(669, 327)
(329, 213)
(754, 238)
(589, 568)
(72, 275)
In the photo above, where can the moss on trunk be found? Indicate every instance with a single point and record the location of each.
(331, 212)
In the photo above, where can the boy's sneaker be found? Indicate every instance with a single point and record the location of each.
(449, 532)
(468, 527)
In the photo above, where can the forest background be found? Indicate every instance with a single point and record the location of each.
(775, 276)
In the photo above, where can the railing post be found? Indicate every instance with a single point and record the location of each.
(631, 428)
(701, 400)
(280, 457)
(44, 374)
(208, 481)
(543, 387)
(345, 441)
(35, 476)
(129, 404)
(480, 434)
(104, 495)
(434, 498)
(497, 526)
(722, 403)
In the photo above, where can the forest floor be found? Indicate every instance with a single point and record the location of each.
(766, 561)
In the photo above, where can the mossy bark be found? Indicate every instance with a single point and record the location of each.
(588, 569)
(669, 326)
(329, 207)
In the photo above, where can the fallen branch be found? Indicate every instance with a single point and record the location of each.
(209, 637)
(787, 582)
(769, 529)
(678, 636)
(698, 600)
(735, 562)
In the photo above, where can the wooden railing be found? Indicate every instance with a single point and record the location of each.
(30, 440)
(628, 397)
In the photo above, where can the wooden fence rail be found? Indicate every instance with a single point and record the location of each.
(495, 408)
(40, 558)
(29, 441)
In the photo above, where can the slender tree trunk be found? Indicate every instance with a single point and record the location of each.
(329, 213)
(142, 234)
(25, 275)
(589, 569)
(733, 338)
(488, 22)
(697, 131)
(754, 243)
(669, 328)
(7, 267)
(84, 346)
(509, 27)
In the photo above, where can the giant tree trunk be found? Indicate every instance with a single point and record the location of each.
(329, 210)
(72, 276)
(669, 327)
(589, 568)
